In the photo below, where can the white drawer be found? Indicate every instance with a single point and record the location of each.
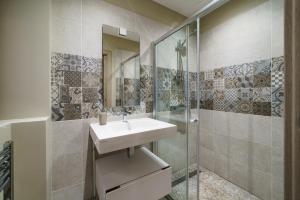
(144, 176)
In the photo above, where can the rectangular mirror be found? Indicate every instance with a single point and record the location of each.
(121, 67)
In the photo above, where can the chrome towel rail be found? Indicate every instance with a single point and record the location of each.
(6, 171)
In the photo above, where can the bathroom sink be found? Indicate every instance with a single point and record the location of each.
(119, 135)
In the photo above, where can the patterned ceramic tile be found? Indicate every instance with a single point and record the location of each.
(164, 78)
(72, 63)
(202, 76)
(262, 94)
(64, 96)
(174, 98)
(57, 112)
(233, 71)
(245, 94)
(278, 109)
(262, 108)
(219, 95)
(57, 61)
(66, 82)
(193, 104)
(91, 64)
(209, 84)
(72, 78)
(202, 85)
(231, 95)
(72, 111)
(277, 95)
(262, 81)
(277, 79)
(54, 94)
(193, 81)
(163, 100)
(219, 73)
(231, 106)
(207, 95)
(209, 75)
(75, 94)
(262, 67)
(278, 64)
(233, 82)
(219, 84)
(248, 69)
(219, 105)
(90, 95)
(248, 88)
(219, 100)
(245, 107)
(208, 104)
(146, 89)
(89, 110)
(246, 81)
(178, 83)
(57, 76)
(193, 99)
(146, 71)
(149, 106)
(90, 79)
(131, 92)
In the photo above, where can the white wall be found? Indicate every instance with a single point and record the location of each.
(241, 32)
(76, 27)
(25, 58)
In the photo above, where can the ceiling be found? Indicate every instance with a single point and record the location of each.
(184, 7)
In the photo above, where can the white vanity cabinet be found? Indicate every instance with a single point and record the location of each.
(141, 177)
(137, 175)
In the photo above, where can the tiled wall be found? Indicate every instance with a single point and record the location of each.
(131, 92)
(252, 88)
(146, 84)
(170, 89)
(75, 87)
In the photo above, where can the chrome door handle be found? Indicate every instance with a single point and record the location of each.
(194, 120)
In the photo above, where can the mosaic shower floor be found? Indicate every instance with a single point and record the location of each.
(212, 187)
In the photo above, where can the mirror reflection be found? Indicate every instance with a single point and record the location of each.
(121, 67)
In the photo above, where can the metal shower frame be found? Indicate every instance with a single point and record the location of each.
(213, 5)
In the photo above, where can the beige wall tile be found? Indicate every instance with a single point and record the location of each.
(222, 145)
(67, 153)
(261, 157)
(239, 174)
(261, 184)
(222, 165)
(207, 158)
(240, 151)
(74, 192)
(221, 123)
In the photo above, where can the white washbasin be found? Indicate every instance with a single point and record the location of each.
(119, 135)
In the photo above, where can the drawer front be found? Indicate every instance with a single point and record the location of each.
(151, 187)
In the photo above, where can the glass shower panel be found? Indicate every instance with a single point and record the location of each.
(171, 106)
(193, 124)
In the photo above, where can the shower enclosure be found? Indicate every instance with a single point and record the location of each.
(224, 89)
(177, 102)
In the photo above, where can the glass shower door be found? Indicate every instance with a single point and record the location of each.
(176, 103)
